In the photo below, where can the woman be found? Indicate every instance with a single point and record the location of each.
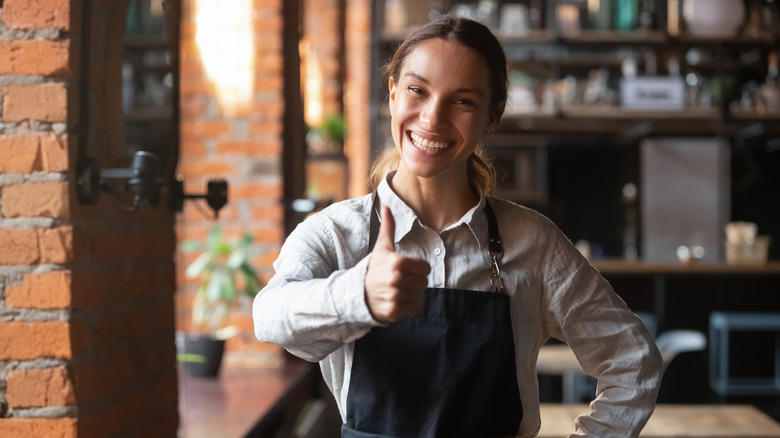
(426, 302)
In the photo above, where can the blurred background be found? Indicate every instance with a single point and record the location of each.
(147, 146)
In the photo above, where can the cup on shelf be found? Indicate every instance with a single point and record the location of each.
(754, 253)
(744, 246)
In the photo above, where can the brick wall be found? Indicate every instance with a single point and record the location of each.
(323, 22)
(242, 146)
(357, 87)
(86, 292)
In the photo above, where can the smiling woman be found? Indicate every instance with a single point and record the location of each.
(426, 302)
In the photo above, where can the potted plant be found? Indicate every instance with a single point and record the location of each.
(327, 138)
(225, 275)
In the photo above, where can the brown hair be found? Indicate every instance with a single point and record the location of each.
(475, 36)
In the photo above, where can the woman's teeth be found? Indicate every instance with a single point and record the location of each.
(426, 144)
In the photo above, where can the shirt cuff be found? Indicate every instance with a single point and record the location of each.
(353, 308)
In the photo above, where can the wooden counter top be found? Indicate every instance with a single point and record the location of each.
(619, 266)
(675, 421)
(233, 404)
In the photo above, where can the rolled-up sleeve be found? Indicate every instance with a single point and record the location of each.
(315, 301)
(610, 342)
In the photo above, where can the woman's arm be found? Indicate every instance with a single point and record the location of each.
(315, 301)
(610, 342)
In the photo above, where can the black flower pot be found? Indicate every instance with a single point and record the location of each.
(201, 354)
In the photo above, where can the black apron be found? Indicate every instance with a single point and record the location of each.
(447, 372)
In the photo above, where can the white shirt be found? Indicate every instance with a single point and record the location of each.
(314, 306)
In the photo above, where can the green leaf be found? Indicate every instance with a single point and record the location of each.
(222, 249)
(214, 239)
(245, 241)
(228, 288)
(214, 288)
(195, 268)
(190, 246)
(251, 281)
(236, 259)
(191, 357)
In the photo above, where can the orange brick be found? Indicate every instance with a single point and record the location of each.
(191, 109)
(54, 152)
(268, 212)
(46, 199)
(39, 387)
(271, 127)
(192, 86)
(48, 290)
(56, 244)
(18, 247)
(31, 340)
(192, 148)
(20, 153)
(253, 191)
(37, 14)
(34, 57)
(266, 108)
(273, 84)
(208, 169)
(250, 148)
(271, 5)
(45, 102)
(38, 427)
(203, 129)
(269, 235)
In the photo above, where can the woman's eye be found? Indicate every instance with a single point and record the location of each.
(466, 102)
(415, 90)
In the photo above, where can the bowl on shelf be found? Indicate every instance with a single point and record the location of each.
(714, 18)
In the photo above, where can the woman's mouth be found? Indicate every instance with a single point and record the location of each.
(426, 144)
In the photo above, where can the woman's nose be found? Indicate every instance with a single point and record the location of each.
(434, 114)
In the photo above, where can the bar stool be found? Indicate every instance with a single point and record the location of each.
(721, 325)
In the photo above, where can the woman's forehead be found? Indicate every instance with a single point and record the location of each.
(441, 60)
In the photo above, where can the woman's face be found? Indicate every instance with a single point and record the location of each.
(440, 108)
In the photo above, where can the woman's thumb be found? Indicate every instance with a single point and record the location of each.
(386, 237)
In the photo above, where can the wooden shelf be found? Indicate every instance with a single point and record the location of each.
(605, 37)
(617, 266)
(147, 42)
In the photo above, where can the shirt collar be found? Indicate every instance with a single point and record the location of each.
(405, 218)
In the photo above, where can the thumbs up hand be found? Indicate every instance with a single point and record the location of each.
(394, 283)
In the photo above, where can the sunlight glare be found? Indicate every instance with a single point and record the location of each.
(224, 36)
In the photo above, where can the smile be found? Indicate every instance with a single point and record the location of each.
(425, 144)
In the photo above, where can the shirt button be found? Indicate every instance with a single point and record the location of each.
(437, 251)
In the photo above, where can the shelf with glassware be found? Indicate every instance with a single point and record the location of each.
(147, 93)
(571, 59)
(147, 80)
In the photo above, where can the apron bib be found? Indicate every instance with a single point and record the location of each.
(448, 371)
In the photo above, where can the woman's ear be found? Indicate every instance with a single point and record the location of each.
(391, 89)
(495, 116)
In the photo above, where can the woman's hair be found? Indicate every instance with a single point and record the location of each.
(477, 37)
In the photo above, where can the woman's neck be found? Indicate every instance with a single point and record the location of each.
(438, 202)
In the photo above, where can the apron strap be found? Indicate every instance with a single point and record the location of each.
(495, 248)
(374, 222)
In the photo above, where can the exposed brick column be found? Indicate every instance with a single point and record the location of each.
(357, 94)
(86, 292)
(244, 147)
(324, 33)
